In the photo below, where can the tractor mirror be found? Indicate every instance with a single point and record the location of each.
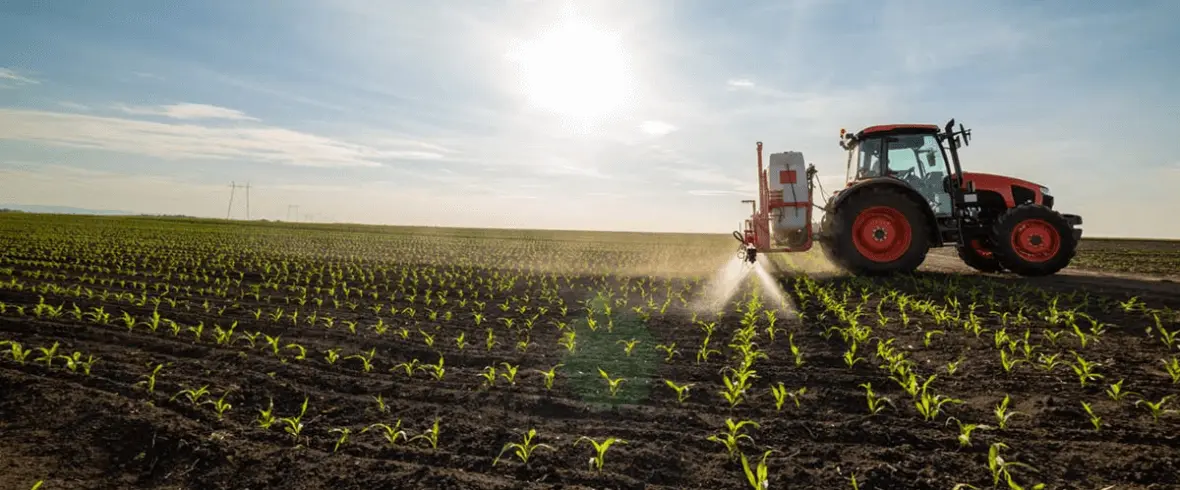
(930, 159)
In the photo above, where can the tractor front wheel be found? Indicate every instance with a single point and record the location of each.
(877, 232)
(1033, 240)
(979, 257)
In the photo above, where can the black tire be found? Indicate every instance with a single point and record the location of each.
(1016, 254)
(905, 257)
(980, 262)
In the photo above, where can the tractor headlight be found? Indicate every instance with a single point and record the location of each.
(1045, 191)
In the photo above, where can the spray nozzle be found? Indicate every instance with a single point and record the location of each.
(751, 254)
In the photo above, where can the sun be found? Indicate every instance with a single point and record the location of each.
(574, 70)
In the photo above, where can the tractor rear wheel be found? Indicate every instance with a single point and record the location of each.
(877, 232)
(1033, 240)
(977, 256)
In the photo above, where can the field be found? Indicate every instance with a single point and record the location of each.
(190, 354)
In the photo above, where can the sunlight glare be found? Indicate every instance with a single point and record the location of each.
(575, 70)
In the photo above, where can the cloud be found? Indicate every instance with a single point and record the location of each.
(178, 141)
(657, 128)
(74, 106)
(10, 78)
(739, 83)
(713, 192)
(187, 111)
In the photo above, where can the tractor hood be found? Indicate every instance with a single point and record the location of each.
(993, 181)
(1011, 190)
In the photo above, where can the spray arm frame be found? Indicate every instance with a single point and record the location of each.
(755, 236)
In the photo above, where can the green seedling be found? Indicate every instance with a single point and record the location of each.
(524, 449)
(600, 448)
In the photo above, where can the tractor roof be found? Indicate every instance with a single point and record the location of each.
(883, 129)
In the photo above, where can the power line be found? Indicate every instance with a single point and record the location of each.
(233, 186)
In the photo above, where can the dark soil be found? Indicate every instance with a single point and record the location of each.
(105, 430)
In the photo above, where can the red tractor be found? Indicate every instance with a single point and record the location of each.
(906, 192)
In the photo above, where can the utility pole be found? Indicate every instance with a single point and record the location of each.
(233, 186)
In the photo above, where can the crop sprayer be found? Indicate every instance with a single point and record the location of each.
(905, 193)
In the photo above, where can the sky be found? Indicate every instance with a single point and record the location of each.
(598, 115)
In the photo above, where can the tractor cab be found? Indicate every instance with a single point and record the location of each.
(907, 152)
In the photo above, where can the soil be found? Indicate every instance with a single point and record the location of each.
(106, 431)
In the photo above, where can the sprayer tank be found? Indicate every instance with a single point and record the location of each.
(787, 182)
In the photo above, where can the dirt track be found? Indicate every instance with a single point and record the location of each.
(1148, 285)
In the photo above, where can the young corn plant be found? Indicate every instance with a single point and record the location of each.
(999, 466)
(1085, 369)
(294, 425)
(1003, 415)
(524, 449)
(600, 448)
(876, 403)
(1156, 408)
(436, 370)
(1117, 393)
(194, 395)
(220, 405)
(759, 476)
(366, 359)
(344, 433)
(795, 351)
(965, 430)
(391, 434)
(735, 388)
(549, 375)
(48, 354)
(266, 418)
(732, 438)
(681, 390)
(930, 405)
(1173, 368)
(1095, 420)
(489, 376)
(509, 372)
(612, 384)
(74, 362)
(430, 435)
(628, 345)
(669, 351)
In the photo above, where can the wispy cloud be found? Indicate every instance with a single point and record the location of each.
(187, 111)
(10, 78)
(657, 128)
(73, 106)
(739, 83)
(177, 141)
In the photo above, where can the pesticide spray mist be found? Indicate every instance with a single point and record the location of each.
(736, 272)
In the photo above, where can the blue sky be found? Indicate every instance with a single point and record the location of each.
(450, 113)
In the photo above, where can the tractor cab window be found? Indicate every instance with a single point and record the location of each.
(868, 159)
(917, 160)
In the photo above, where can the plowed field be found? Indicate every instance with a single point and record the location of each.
(183, 354)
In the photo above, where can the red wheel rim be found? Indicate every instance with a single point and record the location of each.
(979, 249)
(1035, 240)
(881, 234)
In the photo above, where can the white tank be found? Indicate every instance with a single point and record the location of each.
(787, 181)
